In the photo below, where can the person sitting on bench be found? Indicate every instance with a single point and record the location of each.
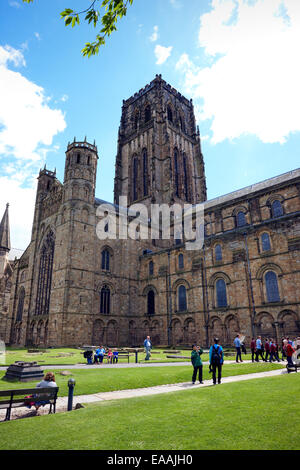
(48, 381)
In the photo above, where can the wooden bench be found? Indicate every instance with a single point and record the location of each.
(16, 398)
(290, 367)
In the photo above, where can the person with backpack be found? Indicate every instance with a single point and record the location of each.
(216, 360)
(197, 363)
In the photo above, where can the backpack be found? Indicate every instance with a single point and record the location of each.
(216, 355)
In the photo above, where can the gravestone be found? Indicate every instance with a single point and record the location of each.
(24, 371)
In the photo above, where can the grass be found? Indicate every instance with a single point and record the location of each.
(261, 414)
(69, 356)
(105, 380)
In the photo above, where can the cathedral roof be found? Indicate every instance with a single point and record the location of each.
(5, 231)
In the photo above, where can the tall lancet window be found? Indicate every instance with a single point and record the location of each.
(20, 304)
(176, 172)
(45, 275)
(186, 188)
(145, 173)
(134, 179)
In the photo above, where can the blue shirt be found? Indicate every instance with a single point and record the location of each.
(258, 344)
(237, 343)
(220, 350)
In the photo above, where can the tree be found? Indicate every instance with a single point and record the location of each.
(107, 14)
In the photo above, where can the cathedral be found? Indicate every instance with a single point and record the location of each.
(71, 288)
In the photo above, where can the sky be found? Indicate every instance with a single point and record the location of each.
(237, 59)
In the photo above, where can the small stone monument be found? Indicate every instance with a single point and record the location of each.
(24, 371)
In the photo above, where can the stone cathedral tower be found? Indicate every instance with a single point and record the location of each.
(159, 157)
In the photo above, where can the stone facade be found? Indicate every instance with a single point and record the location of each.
(72, 288)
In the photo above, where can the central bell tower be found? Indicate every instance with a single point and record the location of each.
(159, 157)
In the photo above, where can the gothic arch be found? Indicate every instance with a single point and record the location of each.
(98, 332)
(264, 325)
(289, 324)
(112, 333)
(177, 332)
(190, 334)
(232, 328)
(216, 329)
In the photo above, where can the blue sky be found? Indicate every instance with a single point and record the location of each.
(237, 59)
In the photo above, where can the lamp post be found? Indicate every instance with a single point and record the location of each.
(71, 385)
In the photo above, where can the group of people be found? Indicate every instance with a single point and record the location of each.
(268, 349)
(216, 360)
(98, 356)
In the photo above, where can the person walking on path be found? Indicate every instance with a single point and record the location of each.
(259, 349)
(237, 344)
(267, 349)
(148, 347)
(253, 348)
(197, 363)
(289, 352)
(216, 360)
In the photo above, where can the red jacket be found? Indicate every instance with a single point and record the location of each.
(289, 350)
(267, 346)
(273, 347)
(253, 344)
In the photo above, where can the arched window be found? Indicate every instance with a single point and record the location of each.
(45, 275)
(185, 173)
(134, 179)
(176, 172)
(272, 287)
(180, 261)
(221, 293)
(78, 157)
(276, 209)
(145, 173)
(170, 114)
(151, 302)
(218, 253)
(88, 160)
(20, 304)
(265, 242)
(241, 219)
(147, 113)
(182, 306)
(105, 260)
(151, 266)
(105, 300)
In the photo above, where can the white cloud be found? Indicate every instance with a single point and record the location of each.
(154, 35)
(162, 53)
(64, 98)
(38, 36)
(26, 120)
(27, 127)
(252, 85)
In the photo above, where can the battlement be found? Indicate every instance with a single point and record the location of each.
(158, 80)
(46, 172)
(84, 145)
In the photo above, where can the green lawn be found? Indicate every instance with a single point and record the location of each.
(68, 356)
(261, 414)
(104, 380)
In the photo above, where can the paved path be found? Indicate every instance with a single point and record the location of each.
(126, 365)
(62, 402)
